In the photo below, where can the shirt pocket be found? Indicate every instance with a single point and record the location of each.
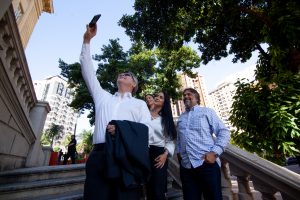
(199, 121)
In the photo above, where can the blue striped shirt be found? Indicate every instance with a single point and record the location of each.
(200, 131)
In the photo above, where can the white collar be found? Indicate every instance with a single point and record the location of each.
(126, 94)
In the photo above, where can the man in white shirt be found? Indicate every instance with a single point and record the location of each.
(119, 106)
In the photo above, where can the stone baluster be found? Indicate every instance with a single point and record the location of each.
(244, 191)
(226, 180)
(267, 192)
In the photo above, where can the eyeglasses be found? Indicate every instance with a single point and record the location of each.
(124, 74)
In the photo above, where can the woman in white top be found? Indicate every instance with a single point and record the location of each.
(161, 144)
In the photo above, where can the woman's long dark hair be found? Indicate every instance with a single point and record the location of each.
(167, 118)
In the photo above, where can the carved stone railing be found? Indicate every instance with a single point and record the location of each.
(267, 178)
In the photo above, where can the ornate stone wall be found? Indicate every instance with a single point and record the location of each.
(17, 98)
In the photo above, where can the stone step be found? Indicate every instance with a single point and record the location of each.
(77, 195)
(174, 194)
(42, 188)
(41, 173)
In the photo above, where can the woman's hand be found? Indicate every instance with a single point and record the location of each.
(160, 160)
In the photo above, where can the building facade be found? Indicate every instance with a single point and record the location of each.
(22, 115)
(187, 82)
(27, 13)
(222, 99)
(55, 90)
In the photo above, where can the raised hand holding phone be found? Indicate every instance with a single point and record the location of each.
(91, 29)
(94, 20)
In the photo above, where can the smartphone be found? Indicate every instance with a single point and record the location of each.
(94, 20)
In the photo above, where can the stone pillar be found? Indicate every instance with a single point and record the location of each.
(37, 116)
(47, 150)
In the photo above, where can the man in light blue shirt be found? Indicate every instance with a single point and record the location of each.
(202, 137)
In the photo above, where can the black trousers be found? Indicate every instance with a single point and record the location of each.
(97, 186)
(205, 179)
(67, 156)
(157, 185)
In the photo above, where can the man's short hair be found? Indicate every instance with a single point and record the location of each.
(195, 92)
(135, 80)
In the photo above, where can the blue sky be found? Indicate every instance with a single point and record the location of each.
(59, 35)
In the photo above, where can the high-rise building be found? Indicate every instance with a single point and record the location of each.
(55, 90)
(27, 13)
(222, 99)
(187, 82)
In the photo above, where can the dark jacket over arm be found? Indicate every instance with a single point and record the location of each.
(127, 153)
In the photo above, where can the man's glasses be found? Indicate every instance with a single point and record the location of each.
(124, 74)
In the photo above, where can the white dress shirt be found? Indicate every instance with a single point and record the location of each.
(158, 138)
(107, 106)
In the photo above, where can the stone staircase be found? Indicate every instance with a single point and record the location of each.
(63, 182)
(66, 182)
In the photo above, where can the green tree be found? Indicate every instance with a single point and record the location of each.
(45, 140)
(155, 69)
(267, 118)
(86, 144)
(266, 111)
(66, 140)
(220, 28)
(54, 132)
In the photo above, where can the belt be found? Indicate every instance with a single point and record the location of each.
(99, 147)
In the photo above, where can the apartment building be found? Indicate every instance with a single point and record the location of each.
(187, 82)
(55, 90)
(222, 99)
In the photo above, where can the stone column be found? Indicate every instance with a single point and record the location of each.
(37, 116)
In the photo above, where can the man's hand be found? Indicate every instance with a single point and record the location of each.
(89, 33)
(210, 157)
(111, 129)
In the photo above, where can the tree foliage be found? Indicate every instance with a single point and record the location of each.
(267, 117)
(54, 132)
(266, 111)
(155, 69)
(220, 27)
(86, 144)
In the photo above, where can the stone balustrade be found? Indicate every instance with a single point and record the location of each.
(266, 177)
